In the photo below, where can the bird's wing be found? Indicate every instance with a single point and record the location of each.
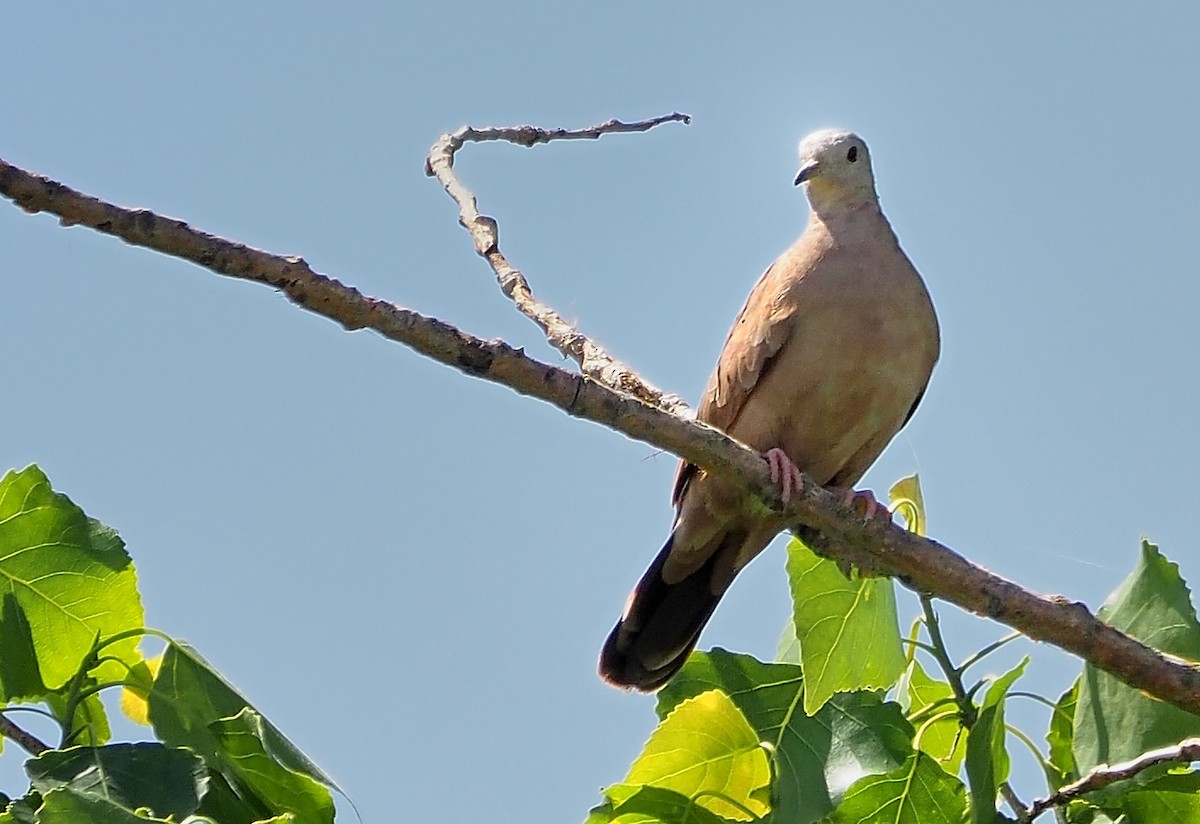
(758, 334)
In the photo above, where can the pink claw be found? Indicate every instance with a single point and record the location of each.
(784, 473)
(872, 507)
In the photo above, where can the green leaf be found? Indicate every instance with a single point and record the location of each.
(706, 746)
(627, 804)
(918, 792)
(24, 810)
(1114, 722)
(189, 697)
(1173, 798)
(848, 631)
(1060, 736)
(70, 576)
(1160, 807)
(20, 677)
(930, 708)
(787, 651)
(909, 503)
(62, 806)
(987, 757)
(222, 803)
(816, 757)
(169, 781)
(243, 742)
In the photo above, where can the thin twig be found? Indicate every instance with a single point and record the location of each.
(1018, 808)
(966, 707)
(27, 740)
(593, 361)
(920, 563)
(1185, 751)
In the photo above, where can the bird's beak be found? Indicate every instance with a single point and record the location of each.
(806, 171)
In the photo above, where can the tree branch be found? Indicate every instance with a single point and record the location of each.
(1185, 751)
(27, 740)
(921, 564)
(592, 359)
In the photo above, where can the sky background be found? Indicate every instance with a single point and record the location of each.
(411, 571)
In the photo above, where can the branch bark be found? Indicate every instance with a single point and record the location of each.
(920, 563)
(1184, 752)
(593, 361)
(27, 740)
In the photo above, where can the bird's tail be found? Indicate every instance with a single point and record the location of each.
(662, 622)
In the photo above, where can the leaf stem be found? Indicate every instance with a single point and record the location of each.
(966, 708)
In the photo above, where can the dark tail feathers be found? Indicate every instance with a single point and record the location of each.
(662, 623)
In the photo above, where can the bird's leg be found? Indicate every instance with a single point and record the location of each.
(784, 473)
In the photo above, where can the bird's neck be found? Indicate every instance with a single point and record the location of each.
(838, 215)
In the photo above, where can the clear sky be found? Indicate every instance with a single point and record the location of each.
(410, 571)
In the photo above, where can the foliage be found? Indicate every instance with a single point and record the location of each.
(858, 730)
(70, 625)
(848, 726)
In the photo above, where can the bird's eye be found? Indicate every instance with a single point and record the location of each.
(852, 155)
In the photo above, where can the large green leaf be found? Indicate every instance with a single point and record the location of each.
(917, 792)
(706, 750)
(626, 804)
(70, 576)
(848, 631)
(244, 743)
(930, 708)
(168, 781)
(1169, 799)
(67, 807)
(987, 757)
(189, 697)
(1114, 722)
(816, 757)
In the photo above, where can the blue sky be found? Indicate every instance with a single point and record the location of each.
(411, 572)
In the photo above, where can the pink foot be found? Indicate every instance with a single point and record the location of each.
(784, 473)
(871, 507)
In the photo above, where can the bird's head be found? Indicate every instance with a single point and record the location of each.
(835, 168)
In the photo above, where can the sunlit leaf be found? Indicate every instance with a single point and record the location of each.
(139, 681)
(909, 503)
(816, 758)
(930, 707)
(848, 630)
(70, 576)
(918, 792)
(628, 804)
(705, 746)
(1114, 722)
(243, 741)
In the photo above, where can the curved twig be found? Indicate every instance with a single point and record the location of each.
(593, 361)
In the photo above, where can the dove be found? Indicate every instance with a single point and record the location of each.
(826, 362)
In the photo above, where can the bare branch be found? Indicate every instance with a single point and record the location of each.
(27, 740)
(921, 564)
(592, 359)
(1184, 752)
